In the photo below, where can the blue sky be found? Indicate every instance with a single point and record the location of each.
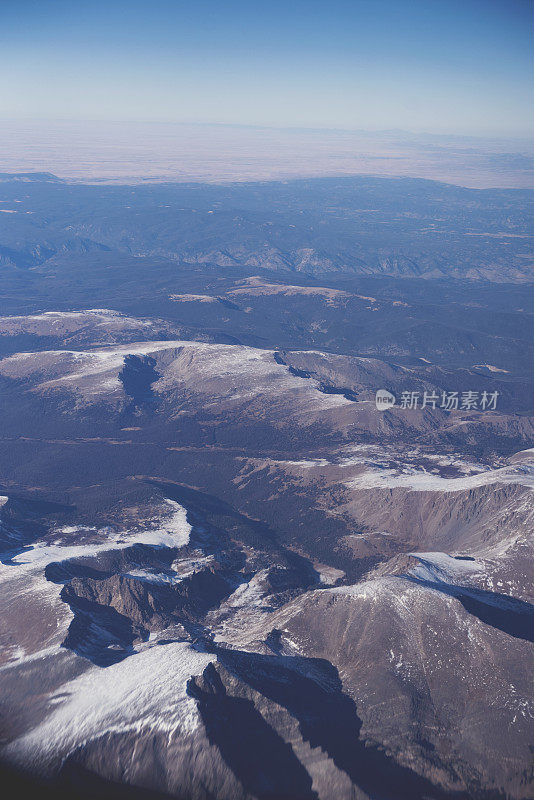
(441, 66)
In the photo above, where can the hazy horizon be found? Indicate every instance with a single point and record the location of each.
(123, 152)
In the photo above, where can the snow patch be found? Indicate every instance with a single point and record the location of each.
(144, 692)
(440, 567)
(421, 481)
(193, 298)
(173, 531)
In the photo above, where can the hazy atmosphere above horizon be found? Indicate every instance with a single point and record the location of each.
(425, 66)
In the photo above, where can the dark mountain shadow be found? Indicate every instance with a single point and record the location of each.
(265, 765)
(325, 388)
(311, 691)
(99, 633)
(507, 614)
(64, 571)
(348, 394)
(137, 377)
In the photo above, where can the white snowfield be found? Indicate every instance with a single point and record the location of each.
(257, 287)
(76, 365)
(442, 568)
(26, 573)
(491, 368)
(171, 531)
(193, 298)
(406, 597)
(419, 481)
(304, 464)
(56, 322)
(236, 371)
(146, 691)
(408, 458)
(435, 567)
